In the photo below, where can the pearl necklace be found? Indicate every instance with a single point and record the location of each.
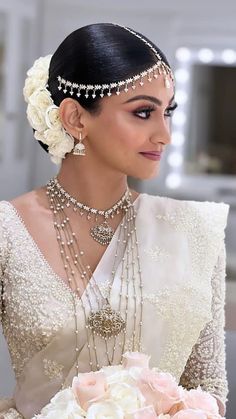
(101, 233)
(104, 324)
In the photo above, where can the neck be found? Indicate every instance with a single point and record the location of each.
(93, 186)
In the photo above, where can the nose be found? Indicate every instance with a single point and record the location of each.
(162, 133)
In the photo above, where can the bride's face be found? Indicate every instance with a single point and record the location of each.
(130, 126)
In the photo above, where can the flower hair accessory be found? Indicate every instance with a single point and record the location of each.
(43, 114)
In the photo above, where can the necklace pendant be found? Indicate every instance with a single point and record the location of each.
(102, 233)
(106, 323)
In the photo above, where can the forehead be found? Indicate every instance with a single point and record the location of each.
(155, 88)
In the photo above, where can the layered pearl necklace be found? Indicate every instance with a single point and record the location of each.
(102, 233)
(104, 324)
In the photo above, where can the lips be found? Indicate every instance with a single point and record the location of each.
(152, 155)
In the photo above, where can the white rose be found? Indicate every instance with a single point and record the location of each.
(37, 77)
(31, 84)
(36, 118)
(52, 117)
(53, 137)
(105, 410)
(111, 369)
(39, 136)
(119, 375)
(62, 405)
(40, 68)
(59, 142)
(129, 398)
(41, 99)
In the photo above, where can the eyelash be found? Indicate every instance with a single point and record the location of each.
(150, 109)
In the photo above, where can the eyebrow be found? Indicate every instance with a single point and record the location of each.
(150, 98)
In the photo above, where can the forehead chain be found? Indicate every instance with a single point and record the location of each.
(160, 67)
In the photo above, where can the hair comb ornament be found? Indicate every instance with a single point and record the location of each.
(159, 68)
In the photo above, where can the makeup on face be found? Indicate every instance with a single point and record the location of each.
(148, 109)
(152, 155)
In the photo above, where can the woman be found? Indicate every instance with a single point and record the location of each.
(90, 268)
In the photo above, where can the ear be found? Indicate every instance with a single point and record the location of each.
(72, 117)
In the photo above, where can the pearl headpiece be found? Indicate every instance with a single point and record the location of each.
(160, 67)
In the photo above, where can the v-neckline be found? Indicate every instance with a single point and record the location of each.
(45, 261)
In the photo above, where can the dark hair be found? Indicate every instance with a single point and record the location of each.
(99, 53)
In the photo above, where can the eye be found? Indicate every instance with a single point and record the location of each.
(144, 111)
(169, 111)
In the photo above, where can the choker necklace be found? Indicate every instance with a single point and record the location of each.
(102, 233)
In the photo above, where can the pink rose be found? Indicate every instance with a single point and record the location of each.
(135, 359)
(160, 390)
(144, 413)
(88, 387)
(199, 399)
(190, 414)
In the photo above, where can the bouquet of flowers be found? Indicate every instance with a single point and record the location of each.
(130, 391)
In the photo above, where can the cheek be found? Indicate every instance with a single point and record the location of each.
(121, 129)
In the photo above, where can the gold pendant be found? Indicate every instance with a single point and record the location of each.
(106, 323)
(102, 233)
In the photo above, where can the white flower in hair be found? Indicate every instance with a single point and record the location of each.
(41, 99)
(39, 102)
(59, 142)
(37, 76)
(43, 114)
(52, 117)
(36, 118)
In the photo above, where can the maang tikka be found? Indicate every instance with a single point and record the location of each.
(79, 148)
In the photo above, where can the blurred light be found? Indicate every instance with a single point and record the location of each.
(179, 118)
(173, 180)
(175, 159)
(183, 54)
(229, 56)
(205, 55)
(181, 75)
(177, 139)
(181, 97)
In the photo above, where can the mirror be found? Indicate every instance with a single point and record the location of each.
(203, 126)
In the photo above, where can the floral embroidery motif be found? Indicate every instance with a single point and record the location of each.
(104, 288)
(206, 363)
(52, 369)
(156, 253)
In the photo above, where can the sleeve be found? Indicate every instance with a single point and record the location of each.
(206, 364)
(7, 410)
(3, 257)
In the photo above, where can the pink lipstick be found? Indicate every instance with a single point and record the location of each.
(152, 155)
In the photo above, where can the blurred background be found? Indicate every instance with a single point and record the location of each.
(199, 39)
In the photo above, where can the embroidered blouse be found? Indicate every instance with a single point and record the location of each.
(182, 254)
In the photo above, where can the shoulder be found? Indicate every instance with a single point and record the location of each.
(23, 205)
(26, 208)
(198, 216)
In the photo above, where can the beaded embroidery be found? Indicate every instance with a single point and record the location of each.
(52, 369)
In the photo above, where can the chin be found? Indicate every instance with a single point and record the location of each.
(145, 174)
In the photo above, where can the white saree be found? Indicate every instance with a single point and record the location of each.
(182, 255)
